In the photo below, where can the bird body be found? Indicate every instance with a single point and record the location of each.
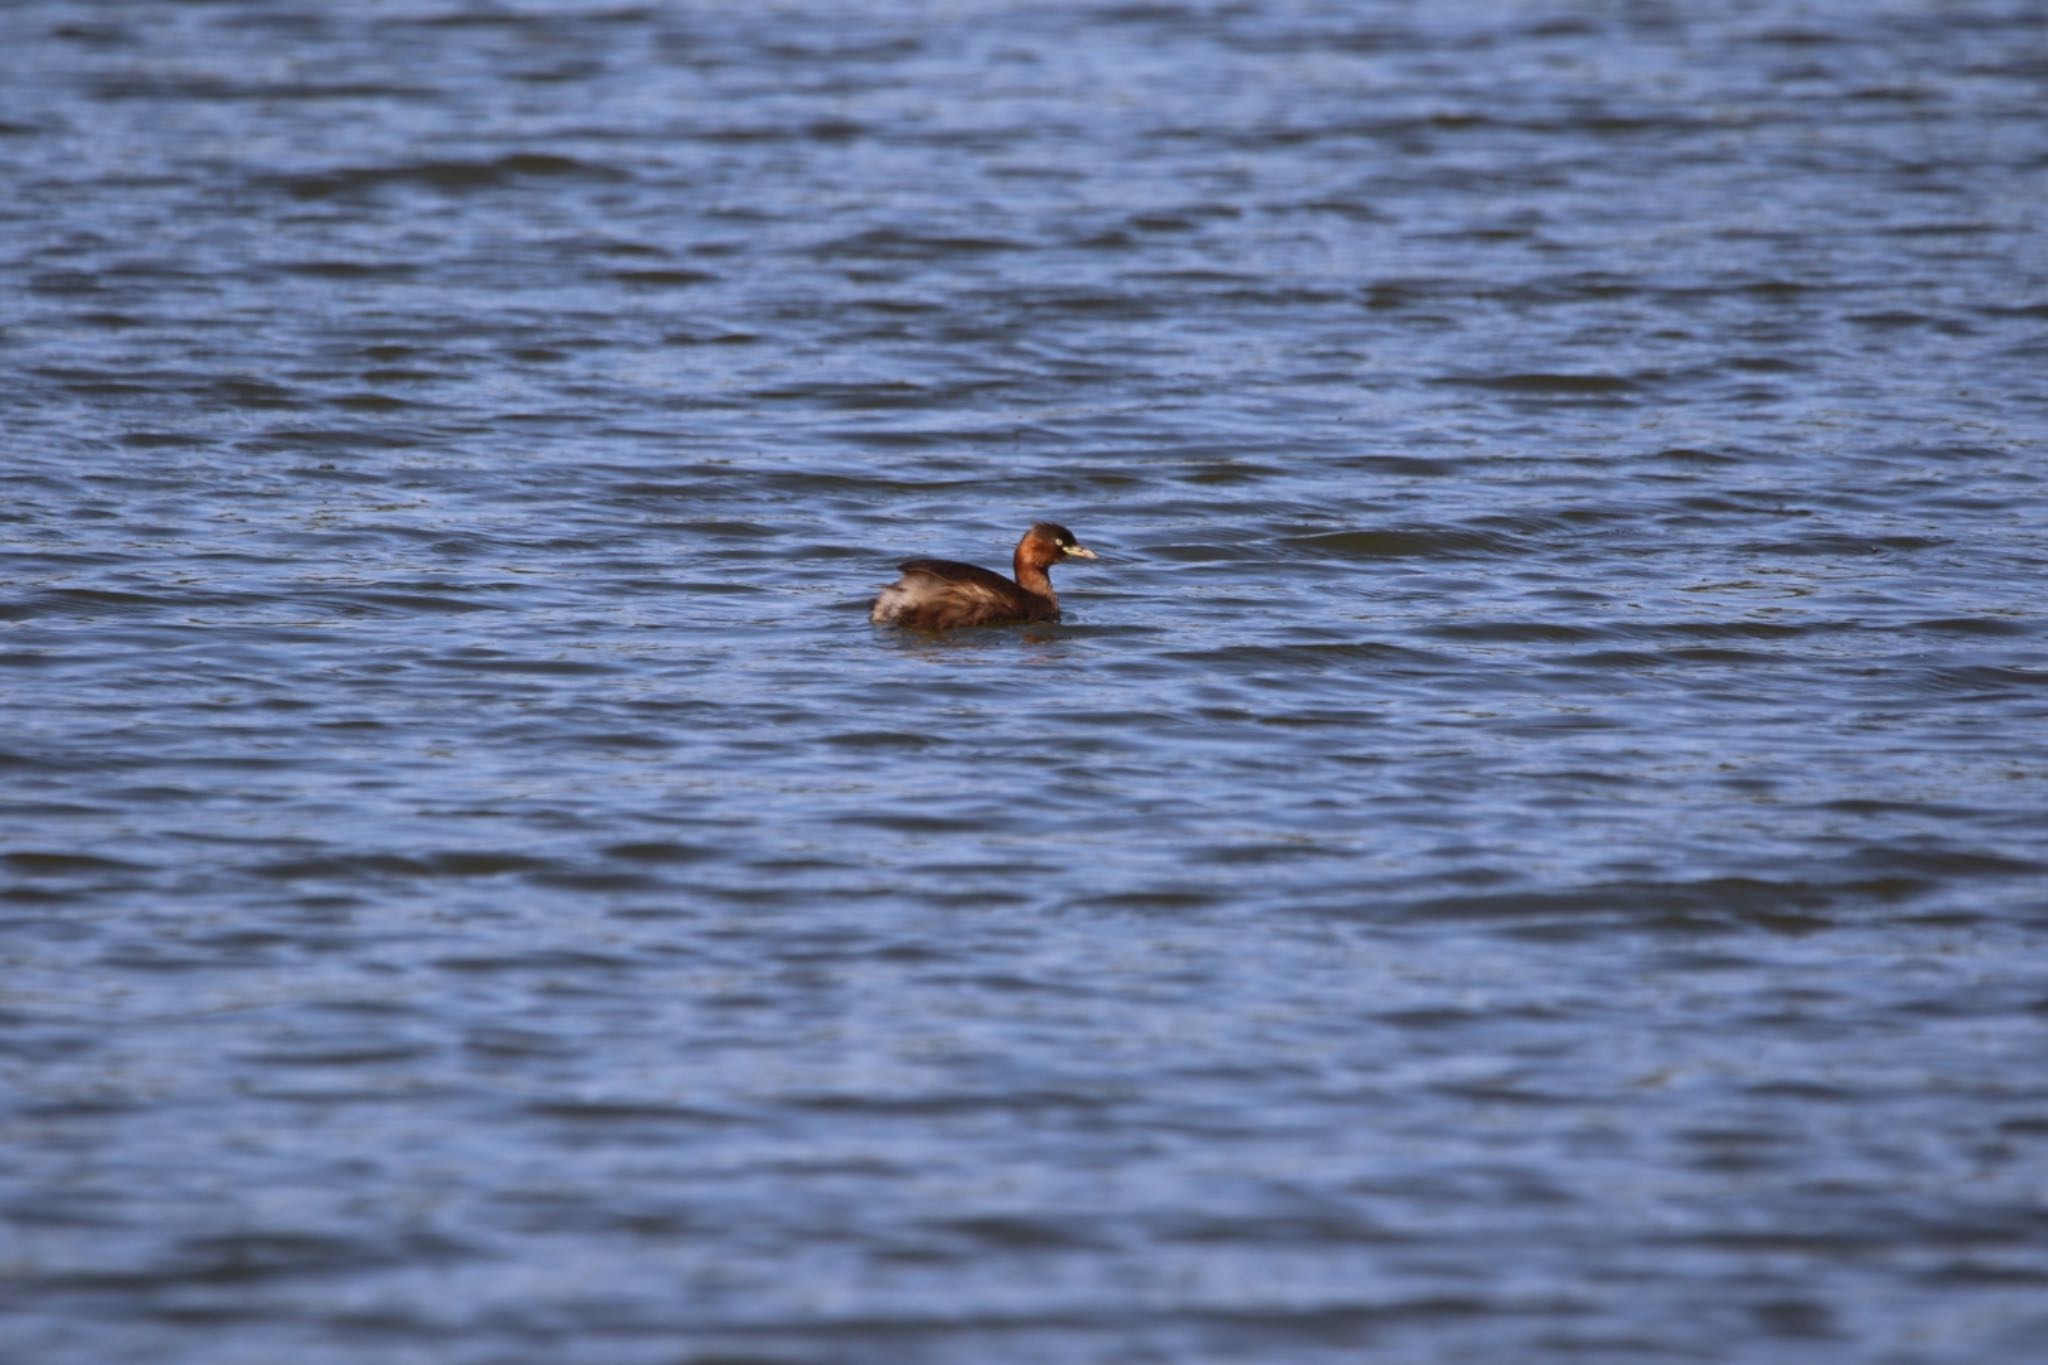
(941, 594)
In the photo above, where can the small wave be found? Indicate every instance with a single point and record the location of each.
(1708, 905)
(1311, 656)
(551, 668)
(56, 863)
(901, 245)
(539, 960)
(632, 1112)
(1981, 681)
(1405, 543)
(1990, 626)
(444, 177)
(1828, 543)
(665, 278)
(351, 866)
(1514, 632)
(1556, 385)
(349, 270)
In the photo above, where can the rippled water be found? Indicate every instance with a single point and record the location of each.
(1528, 846)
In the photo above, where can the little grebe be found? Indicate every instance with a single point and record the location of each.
(938, 594)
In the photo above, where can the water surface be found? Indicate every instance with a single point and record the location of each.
(1528, 845)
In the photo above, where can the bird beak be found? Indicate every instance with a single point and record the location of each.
(1079, 551)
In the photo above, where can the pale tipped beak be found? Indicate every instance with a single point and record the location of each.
(1079, 551)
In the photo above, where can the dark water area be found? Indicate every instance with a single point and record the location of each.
(1528, 846)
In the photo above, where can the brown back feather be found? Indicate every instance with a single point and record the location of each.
(943, 593)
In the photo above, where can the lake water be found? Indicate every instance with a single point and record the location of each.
(1528, 845)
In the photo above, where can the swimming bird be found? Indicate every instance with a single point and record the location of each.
(939, 594)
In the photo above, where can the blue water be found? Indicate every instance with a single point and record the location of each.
(1527, 846)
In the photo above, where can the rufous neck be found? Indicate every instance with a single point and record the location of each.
(1031, 575)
